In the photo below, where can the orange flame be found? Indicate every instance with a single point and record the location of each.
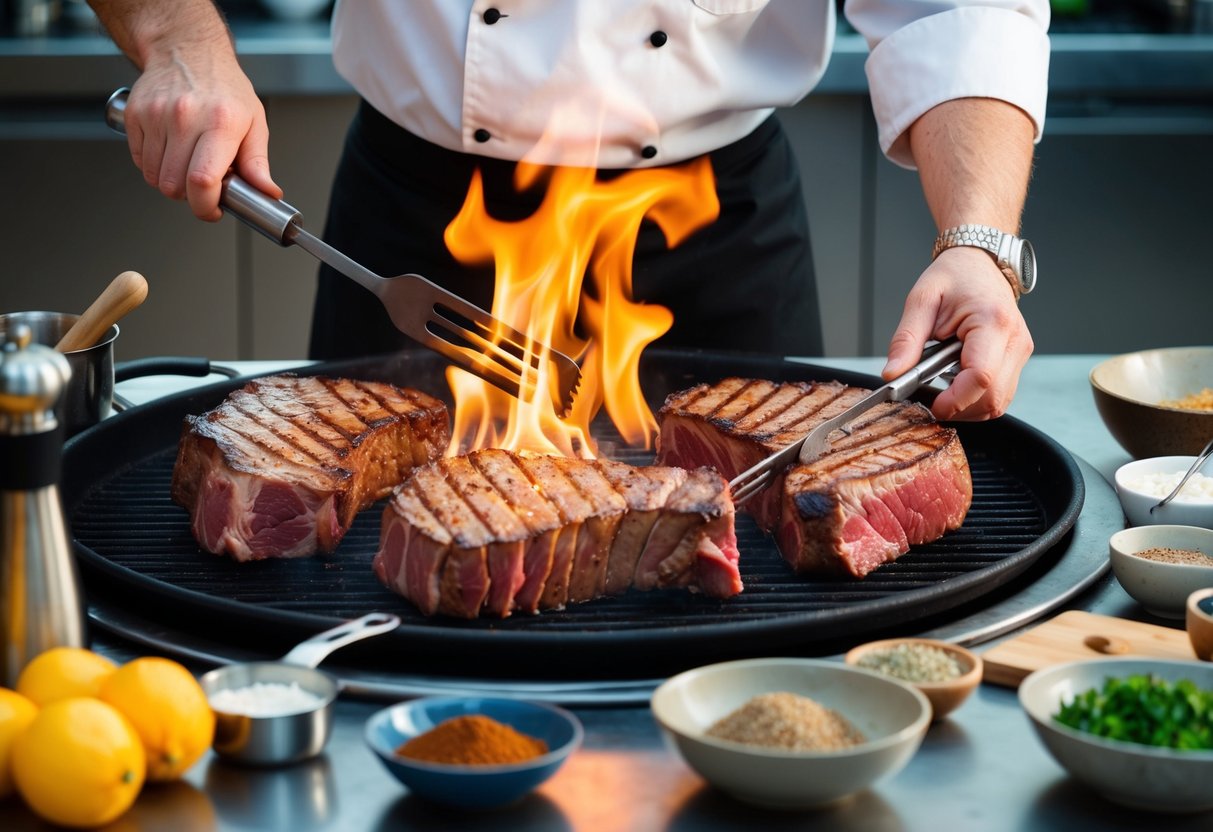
(584, 228)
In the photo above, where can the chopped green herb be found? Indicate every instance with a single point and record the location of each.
(1144, 709)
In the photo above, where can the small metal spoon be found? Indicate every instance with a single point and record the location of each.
(1196, 465)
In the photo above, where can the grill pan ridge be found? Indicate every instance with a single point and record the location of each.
(132, 540)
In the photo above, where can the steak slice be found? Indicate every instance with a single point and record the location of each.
(281, 467)
(495, 532)
(899, 479)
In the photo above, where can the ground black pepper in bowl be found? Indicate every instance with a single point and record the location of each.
(1167, 554)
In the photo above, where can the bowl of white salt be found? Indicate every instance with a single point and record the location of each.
(1143, 483)
(281, 712)
(791, 733)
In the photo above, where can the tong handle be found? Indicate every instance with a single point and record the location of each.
(260, 212)
(932, 364)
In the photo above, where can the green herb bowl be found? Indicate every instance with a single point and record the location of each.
(945, 696)
(1140, 776)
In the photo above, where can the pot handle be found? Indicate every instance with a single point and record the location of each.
(169, 365)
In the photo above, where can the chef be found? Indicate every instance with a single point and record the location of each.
(452, 86)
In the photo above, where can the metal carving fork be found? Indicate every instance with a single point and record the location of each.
(817, 441)
(440, 320)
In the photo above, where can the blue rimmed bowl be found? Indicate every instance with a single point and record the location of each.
(472, 786)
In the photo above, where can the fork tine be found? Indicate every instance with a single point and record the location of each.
(482, 344)
(750, 482)
(567, 377)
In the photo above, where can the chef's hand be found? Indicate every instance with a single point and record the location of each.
(963, 293)
(190, 118)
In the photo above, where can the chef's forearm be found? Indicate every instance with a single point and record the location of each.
(161, 30)
(974, 157)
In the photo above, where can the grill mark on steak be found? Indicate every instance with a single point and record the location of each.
(751, 395)
(286, 407)
(580, 529)
(273, 470)
(573, 508)
(540, 517)
(896, 479)
(588, 572)
(257, 411)
(506, 532)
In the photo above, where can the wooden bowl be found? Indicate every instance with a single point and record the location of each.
(1199, 623)
(944, 697)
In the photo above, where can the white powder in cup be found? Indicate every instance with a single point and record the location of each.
(265, 699)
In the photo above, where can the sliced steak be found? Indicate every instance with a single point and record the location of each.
(898, 479)
(495, 532)
(281, 467)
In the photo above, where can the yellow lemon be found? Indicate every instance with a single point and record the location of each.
(168, 708)
(62, 672)
(79, 763)
(16, 713)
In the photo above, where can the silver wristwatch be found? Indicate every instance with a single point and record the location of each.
(1014, 255)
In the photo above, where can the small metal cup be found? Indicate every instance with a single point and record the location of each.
(292, 737)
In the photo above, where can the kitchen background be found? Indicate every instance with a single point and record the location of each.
(1120, 209)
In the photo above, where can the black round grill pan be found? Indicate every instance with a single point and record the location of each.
(133, 541)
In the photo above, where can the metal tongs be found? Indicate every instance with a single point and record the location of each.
(440, 320)
(816, 442)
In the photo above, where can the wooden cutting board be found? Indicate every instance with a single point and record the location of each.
(1075, 635)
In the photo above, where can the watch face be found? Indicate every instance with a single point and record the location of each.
(1027, 267)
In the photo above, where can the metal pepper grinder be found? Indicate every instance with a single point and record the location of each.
(40, 602)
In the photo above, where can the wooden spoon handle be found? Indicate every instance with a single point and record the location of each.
(125, 292)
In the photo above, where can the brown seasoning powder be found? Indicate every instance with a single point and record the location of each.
(1165, 554)
(787, 722)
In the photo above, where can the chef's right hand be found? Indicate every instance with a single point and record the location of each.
(192, 116)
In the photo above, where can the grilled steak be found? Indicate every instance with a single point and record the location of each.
(899, 479)
(494, 532)
(281, 467)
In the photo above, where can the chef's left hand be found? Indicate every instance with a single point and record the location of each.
(963, 293)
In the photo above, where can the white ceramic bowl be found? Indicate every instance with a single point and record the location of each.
(1137, 503)
(1141, 776)
(1128, 388)
(1162, 588)
(892, 715)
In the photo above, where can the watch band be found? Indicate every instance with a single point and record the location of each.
(997, 242)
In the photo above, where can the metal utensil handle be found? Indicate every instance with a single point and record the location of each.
(932, 365)
(255, 209)
(312, 652)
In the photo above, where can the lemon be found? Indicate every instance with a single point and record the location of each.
(168, 708)
(16, 713)
(62, 672)
(79, 763)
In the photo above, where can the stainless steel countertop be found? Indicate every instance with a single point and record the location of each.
(982, 769)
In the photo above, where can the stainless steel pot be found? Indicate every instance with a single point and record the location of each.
(90, 396)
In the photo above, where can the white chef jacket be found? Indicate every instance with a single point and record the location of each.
(632, 83)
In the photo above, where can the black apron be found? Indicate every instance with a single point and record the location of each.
(743, 283)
